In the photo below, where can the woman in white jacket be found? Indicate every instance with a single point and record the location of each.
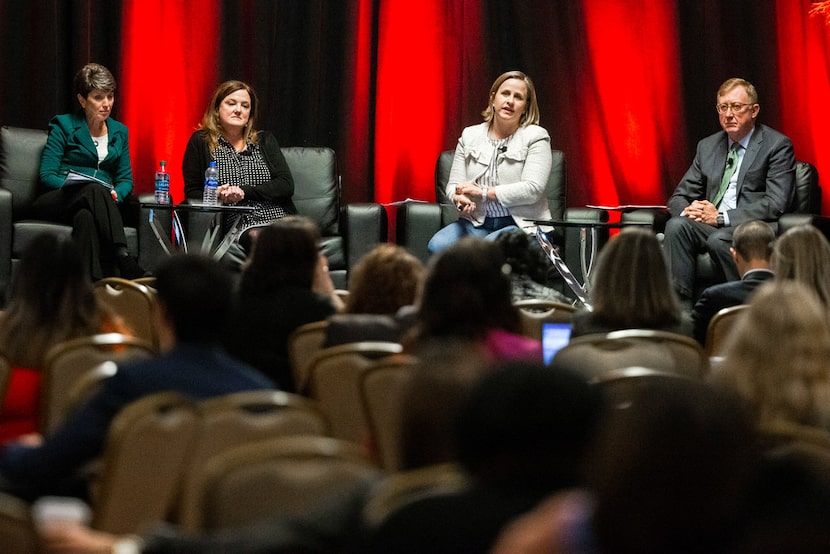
(501, 166)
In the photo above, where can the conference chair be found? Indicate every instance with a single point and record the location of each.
(303, 344)
(147, 447)
(68, 362)
(133, 302)
(334, 382)
(721, 324)
(594, 355)
(276, 478)
(232, 420)
(535, 312)
(382, 388)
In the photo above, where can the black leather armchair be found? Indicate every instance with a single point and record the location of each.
(20, 152)
(417, 222)
(806, 208)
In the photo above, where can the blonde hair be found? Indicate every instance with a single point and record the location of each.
(778, 356)
(803, 254)
(531, 114)
(210, 120)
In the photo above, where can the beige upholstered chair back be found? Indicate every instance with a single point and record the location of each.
(719, 328)
(593, 355)
(135, 303)
(67, 363)
(334, 382)
(534, 313)
(303, 344)
(383, 386)
(233, 420)
(147, 446)
(283, 477)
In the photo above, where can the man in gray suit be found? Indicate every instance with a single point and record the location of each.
(742, 173)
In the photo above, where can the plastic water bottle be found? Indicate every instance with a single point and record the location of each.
(211, 184)
(162, 195)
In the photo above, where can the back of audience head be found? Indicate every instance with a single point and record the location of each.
(51, 298)
(526, 426)
(753, 240)
(631, 285)
(523, 256)
(803, 254)
(673, 471)
(285, 254)
(384, 280)
(467, 292)
(445, 372)
(195, 297)
(778, 356)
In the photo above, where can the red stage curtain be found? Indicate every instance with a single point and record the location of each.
(803, 62)
(169, 60)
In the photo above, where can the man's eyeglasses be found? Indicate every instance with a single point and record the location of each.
(736, 108)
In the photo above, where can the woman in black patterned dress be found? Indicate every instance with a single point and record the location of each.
(252, 169)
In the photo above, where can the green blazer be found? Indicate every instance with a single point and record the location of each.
(70, 146)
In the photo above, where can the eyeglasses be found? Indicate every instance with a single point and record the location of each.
(736, 108)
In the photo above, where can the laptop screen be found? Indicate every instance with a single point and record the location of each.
(554, 337)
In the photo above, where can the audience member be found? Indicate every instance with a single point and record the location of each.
(674, 470)
(252, 169)
(751, 249)
(778, 360)
(92, 143)
(51, 300)
(438, 388)
(382, 282)
(530, 269)
(631, 289)
(745, 172)
(803, 254)
(194, 296)
(466, 295)
(500, 171)
(523, 433)
(284, 284)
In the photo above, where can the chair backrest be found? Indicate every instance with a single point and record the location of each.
(534, 312)
(303, 344)
(556, 190)
(382, 389)
(67, 362)
(719, 328)
(147, 446)
(620, 387)
(807, 198)
(316, 185)
(404, 487)
(20, 153)
(593, 355)
(334, 381)
(276, 478)
(17, 531)
(134, 302)
(236, 419)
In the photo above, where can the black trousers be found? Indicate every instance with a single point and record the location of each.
(686, 238)
(97, 226)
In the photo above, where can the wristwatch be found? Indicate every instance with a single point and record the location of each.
(720, 220)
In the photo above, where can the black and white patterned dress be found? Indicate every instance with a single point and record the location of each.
(247, 168)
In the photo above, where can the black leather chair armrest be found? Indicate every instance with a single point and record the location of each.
(5, 243)
(788, 221)
(364, 226)
(415, 223)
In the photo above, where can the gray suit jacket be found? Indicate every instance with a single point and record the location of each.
(765, 181)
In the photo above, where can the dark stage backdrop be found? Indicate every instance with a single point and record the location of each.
(626, 87)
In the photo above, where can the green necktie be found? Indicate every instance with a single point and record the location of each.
(731, 166)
